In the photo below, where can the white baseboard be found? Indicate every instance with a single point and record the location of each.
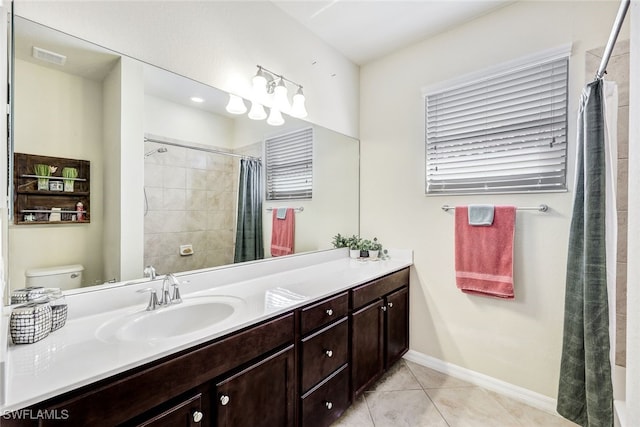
(524, 395)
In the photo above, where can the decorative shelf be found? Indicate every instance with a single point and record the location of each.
(33, 206)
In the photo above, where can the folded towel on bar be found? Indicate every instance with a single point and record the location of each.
(282, 233)
(481, 214)
(282, 213)
(484, 255)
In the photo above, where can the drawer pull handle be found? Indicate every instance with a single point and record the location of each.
(329, 312)
(224, 399)
(197, 416)
(329, 353)
(383, 308)
(390, 305)
(328, 404)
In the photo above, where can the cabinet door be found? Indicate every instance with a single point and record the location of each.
(187, 413)
(367, 351)
(261, 395)
(397, 327)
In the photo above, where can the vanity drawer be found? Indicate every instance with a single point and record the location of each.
(324, 352)
(324, 312)
(378, 288)
(323, 405)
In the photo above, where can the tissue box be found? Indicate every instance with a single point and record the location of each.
(30, 323)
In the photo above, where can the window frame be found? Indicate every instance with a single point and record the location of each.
(478, 77)
(308, 136)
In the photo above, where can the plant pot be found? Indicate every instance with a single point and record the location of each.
(373, 254)
(43, 184)
(354, 253)
(364, 254)
(68, 186)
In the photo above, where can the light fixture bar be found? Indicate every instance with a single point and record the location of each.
(280, 76)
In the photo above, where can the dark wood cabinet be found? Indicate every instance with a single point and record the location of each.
(185, 413)
(379, 328)
(367, 345)
(262, 395)
(299, 369)
(397, 326)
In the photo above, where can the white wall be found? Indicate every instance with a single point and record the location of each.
(515, 341)
(59, 115)
(171, 120)
(218, 43)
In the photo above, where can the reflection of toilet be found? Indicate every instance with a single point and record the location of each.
(63, 276)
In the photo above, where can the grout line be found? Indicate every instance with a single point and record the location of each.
(426, 393)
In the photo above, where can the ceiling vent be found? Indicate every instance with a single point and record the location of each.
(48, 56)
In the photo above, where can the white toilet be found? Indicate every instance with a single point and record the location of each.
(63, 277)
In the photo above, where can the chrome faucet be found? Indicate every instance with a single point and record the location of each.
(150, 272)
(170, 280)
(165, 298)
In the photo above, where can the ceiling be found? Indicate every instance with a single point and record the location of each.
(364, 30)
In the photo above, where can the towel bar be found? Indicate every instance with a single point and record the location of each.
(300, 209)
(540, 208)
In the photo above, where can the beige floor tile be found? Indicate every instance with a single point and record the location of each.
(530, 416)
(408, 408)
(356, 416)
(430, 378)
(399, 377)
(471, 407)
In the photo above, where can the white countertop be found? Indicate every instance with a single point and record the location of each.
(77, 354)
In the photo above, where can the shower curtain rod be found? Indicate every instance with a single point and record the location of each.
(208, 150)
(617, 25)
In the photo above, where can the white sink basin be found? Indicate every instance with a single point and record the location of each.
(192, 315)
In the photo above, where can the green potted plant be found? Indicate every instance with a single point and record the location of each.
(375, 248)
(354, 246)
(70, 174)
(340, 241)
(365, 246)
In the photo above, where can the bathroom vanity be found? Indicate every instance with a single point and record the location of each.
(307, 336)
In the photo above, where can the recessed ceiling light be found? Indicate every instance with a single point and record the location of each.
(197, 99)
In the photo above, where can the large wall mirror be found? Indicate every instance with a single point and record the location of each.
(164, 170)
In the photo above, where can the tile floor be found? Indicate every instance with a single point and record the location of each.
(411, 395)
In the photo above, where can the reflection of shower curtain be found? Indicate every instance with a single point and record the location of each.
(585, 393)
(249, 244)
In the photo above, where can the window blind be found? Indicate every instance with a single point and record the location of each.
(504, 133)
(289, 165)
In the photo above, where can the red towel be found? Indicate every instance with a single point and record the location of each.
(282, 233)
(484, 254)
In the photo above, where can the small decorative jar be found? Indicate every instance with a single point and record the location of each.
(30, 323)
(20, 296)
(58, 305)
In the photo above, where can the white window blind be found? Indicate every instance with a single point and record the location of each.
(289, 165)
(504, 133)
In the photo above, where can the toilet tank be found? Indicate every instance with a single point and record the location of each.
(63, 276)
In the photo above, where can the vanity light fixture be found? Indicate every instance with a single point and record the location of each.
(236, 105)
(270, 88)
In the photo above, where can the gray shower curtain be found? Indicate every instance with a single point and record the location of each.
(249, 243)
(585, 394)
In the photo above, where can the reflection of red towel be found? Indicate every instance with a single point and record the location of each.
(282, 233)
(484, 255)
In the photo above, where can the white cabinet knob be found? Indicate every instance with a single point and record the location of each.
(328, 404)
(329, 312)
(224, 399)
(390, 305)
(383, 308)
(197, 416)
(329, 353)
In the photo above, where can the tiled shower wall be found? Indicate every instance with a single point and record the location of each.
(191, 199)
(618, 71)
